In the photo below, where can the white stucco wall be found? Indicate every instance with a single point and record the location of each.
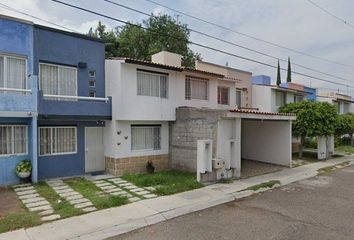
(266, 141)
(116, 146)
(262, 98)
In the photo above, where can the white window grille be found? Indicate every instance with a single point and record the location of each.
(57, 140)
(238, 98)
(196, 88)
(280, 98)
(223, 95)
(298, 98)
(13, 140)
(58, 80)
(13, 73)
(152, 84)
(145, 137)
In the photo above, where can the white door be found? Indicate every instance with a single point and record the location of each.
(94, 150)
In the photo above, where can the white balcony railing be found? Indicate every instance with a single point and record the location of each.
(16, 90)
(75, 97)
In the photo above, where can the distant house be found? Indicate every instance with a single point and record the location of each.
(342, 102)
(268, 98)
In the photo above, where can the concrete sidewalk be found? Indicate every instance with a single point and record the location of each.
(114, 221)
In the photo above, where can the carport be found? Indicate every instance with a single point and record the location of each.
(252, 137)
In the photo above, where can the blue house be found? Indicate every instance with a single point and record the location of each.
(51, 86)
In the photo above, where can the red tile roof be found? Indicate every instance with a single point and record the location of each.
(261, 113)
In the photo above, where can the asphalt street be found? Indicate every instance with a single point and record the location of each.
(318, 208)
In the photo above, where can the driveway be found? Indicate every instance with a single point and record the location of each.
(318, 208)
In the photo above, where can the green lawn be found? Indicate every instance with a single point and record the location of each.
(268, 184)
(90, 191)
(166, 182)
(345, 149)
(22, 219)
(60, 205)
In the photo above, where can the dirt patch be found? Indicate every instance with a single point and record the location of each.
(9, 203)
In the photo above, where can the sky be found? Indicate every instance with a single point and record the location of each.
(295, 24)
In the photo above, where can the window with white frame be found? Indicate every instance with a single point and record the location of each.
(13, 72)
(238, 97)
(345, 107)
(152, 84)
(145, 137)
(13, 140)
(196, 88)
(337, 105)
(223, 95)
(280, 98)
(298, 98)
(57, 140)
(58, 80)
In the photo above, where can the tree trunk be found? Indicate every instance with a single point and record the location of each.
(301, 147)
(351, 140)
(327, 148)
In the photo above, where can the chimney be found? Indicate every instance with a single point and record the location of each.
(167, 58)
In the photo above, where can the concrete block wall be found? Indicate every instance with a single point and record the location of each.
(191, 125)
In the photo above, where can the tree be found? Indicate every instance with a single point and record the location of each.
(159, 33)
(345, 125)
(288, 79)
(313, 119)
(278, 75)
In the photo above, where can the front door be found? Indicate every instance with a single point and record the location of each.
(94, 149)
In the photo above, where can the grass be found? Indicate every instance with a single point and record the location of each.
(329, 169)
(268, 184)
(166, 182)
(90, 191)
(60, 205)
(345, 149)
(23, 219)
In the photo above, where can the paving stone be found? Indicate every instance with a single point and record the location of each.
(119, 181)
(103, 184)
(83, 205)
(21, 185)
(150, 195)
(28, 196)
(117, 178)
(108, 187)
(50, 217)
(68, 194)
(76, 201)
(99, 181)
(125, 184)
(67, 190)
(128, 195)
(89, 209)
(113, 190)
(40, 208)
(46, 212)
(137, 190)
(150, 188)
(61, 187)
(133, 199)
(24, 188)
(37, 204)
(26, 192)
(31, 200)
(142, 192)
(73, 197)
(120, 193)
(130, 187)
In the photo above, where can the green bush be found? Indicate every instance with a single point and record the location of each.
(24, 166)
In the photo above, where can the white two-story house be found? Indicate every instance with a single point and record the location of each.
(342, 102)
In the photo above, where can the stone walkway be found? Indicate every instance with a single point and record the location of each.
(34, 202)
(120, 187)
(69, 194)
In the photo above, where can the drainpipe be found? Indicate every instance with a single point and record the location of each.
(33, 82)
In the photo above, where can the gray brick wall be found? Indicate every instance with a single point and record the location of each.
(191, 124)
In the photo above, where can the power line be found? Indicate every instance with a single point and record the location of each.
(250, 36)
(232, 43)
(4, 6)
(331, 14)
(195, 43)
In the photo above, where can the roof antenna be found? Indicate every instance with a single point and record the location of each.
(226, 64)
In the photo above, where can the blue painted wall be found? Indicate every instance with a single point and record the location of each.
(8, 163)
(261, 79)
(68, 49)
(17, 38)
(311, 93)
(69, 164)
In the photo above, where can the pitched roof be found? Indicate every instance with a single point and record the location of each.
(261, 113)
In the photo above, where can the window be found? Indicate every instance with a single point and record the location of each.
(238, 98)
(337, 105)
(58, 80)
(92, 83)
(13, 140)
(280, 98)
(196, 88)
(57, 140)
(13, 72)
(92, 93)
(345, 108)
(92, 73)
(146, 137)
(223, 95)
(298, 98)
(152, 84)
